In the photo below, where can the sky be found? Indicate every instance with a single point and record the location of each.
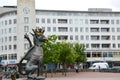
(77, 5)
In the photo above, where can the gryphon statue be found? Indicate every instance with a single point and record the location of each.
(34, 55)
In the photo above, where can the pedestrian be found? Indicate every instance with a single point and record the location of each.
(14, 73)
(76, 68)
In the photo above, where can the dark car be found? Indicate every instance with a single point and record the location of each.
(115, 69)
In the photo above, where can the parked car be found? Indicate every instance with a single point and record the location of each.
(115, 69)
(99, 66)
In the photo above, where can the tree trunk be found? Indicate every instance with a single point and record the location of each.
(78, 65)
(64, 68)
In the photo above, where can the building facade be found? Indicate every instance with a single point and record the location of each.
(98, 29)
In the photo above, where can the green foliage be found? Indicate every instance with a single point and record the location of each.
(62, 52)
(67, 54)
(51, 50)
(79, 48)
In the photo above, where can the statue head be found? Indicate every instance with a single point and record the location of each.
(38, 36)
(38, 31)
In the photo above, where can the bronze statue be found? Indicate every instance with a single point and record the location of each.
(34, 55)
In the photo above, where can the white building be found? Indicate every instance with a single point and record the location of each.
(98, 29)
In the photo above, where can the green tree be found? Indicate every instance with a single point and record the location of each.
(67, 55)
(81, 57)
(51, 51)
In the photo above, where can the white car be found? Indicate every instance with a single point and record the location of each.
(99, 66)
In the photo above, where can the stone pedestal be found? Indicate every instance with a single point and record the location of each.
(37, 78)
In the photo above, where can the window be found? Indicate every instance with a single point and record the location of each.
(5, 39)
(5, 31)
(48, 29)
(71, 29)
(113, 37)
(62, 29)
(117, 22)
(12, 56)
(26, 20)
(88, 54)
(63, 21)
(10, 21)
(105, 45)
(48, 20)
(81, 29)
(94, 29)
(87, 45)
(104, 21)
(70, 21)
(76, 29)
(37, 20)
(2, 48)
(10, 38)
(81, 37)
(95, 45)
(110, 54)
(5, 47)
(76, 37)
(10, 30)
(26, 46)
(76, 21)
(114, 45)
(87, 37)
(81, 21)
(5, 22)
(96, 54)
(113, 29)
(118, 45)
(2, 32)
(104, 54)
(54, 21)
(15, 38)
(94, 21)
(54, 29)
(26, 28)
(95, 37)
(62, 37)
(14, 21)
(14, 29)
(43, 28)
(71, 37)
(112, 21)
(14, 46)
(118, 37)
(2, 23)
(43, 20)
(118, 29)
(105, 37)
(104, 29)
(10, 47)
(4, 57)
(86, 29)
(2, 40)
(86, 21)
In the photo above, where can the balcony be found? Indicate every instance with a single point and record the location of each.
(105, 37)
(94, 21)
(94, 29)
(95, 38)
(104, 21)
(62, 21)
(62, 37)
(105, 45)
(105, 29)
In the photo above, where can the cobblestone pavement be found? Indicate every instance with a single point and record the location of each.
(85, 76)
(82, 76)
